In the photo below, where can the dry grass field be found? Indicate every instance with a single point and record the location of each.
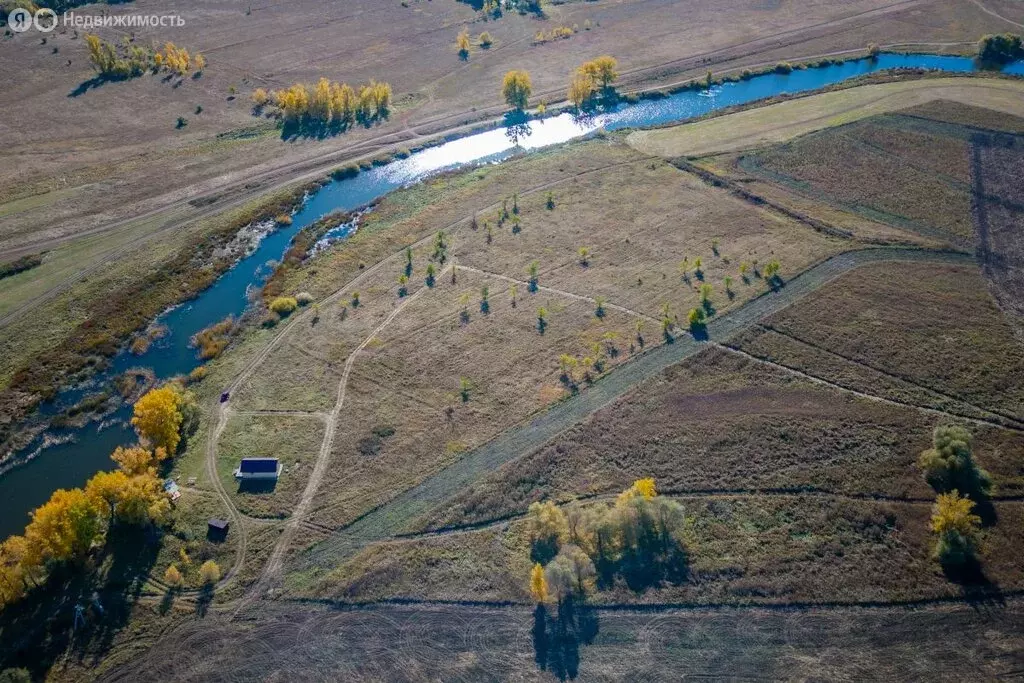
(103, 181)
(293, 439)
(403, 415)
(726, 422)
(936, 328)
(777, 123)
(108, 164)
(903, 169)
(790, 438)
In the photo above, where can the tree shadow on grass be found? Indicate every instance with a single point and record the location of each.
(42, 629)
(557, 636)
(87, 85)
(204, 599)
(978, 589)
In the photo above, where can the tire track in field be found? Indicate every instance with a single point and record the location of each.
(996, 414)
(272, 568)
(222, 411)
(393, 517)
(815, 379)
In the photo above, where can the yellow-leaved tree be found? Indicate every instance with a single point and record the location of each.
(209, 572)
(601, 70)
(538, 584)
(581, 89)
(957, 528)
(516, 88)
(66, 526)
(157, 418)
(173, 577)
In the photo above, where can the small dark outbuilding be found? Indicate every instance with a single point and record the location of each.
(217, 529)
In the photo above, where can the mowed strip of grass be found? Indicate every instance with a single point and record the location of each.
(786, 120)
(743, 549)
(723, 422)
(293, 439)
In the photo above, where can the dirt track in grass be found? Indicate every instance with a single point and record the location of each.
(396, 516)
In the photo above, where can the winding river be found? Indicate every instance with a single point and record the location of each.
(68, 457)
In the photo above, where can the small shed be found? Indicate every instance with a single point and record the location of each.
(217, 529)
(258, 468)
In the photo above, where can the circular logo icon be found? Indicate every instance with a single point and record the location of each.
(19, 20)
(45, 20)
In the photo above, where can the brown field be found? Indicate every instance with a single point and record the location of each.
(905, 169)
(103, 146)
(470, 643)
(104, 190)
(723, 422)
(934, 327)
(415, 351)
(744, 549)
(792, 444)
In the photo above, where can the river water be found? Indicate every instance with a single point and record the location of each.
(80, 453)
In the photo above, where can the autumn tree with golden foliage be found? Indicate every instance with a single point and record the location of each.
(173, 577)
(209, 572)
(547, 527)
(516, 88)
(329, 103)
(642, 539)
(462, 43)
(538, 584)
(66, 526)
(157, 418)
(601, 70)
(957, 529)
(581, 89)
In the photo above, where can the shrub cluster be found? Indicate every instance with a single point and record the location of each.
(640, 540)
(1001, 48)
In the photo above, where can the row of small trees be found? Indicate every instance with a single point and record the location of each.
(129, 60)
(329, 102)
(640, 539)
(66, 528)
(950, 468)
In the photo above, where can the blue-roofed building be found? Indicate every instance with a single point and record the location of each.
(258, 468)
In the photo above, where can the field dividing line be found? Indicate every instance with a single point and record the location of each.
(250, 367)
(394, 517)
(560, 292)
(904, 380)
(814, 379)
(275, 561)
(282, 413)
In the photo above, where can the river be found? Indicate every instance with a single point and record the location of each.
(80, 453)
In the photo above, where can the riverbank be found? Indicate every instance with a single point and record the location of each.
(227, 294)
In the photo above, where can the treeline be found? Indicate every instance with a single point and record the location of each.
(640, 540)
(1001, 48)
(328, 103)
(593, 79)
(73, 522)
(129, 60)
